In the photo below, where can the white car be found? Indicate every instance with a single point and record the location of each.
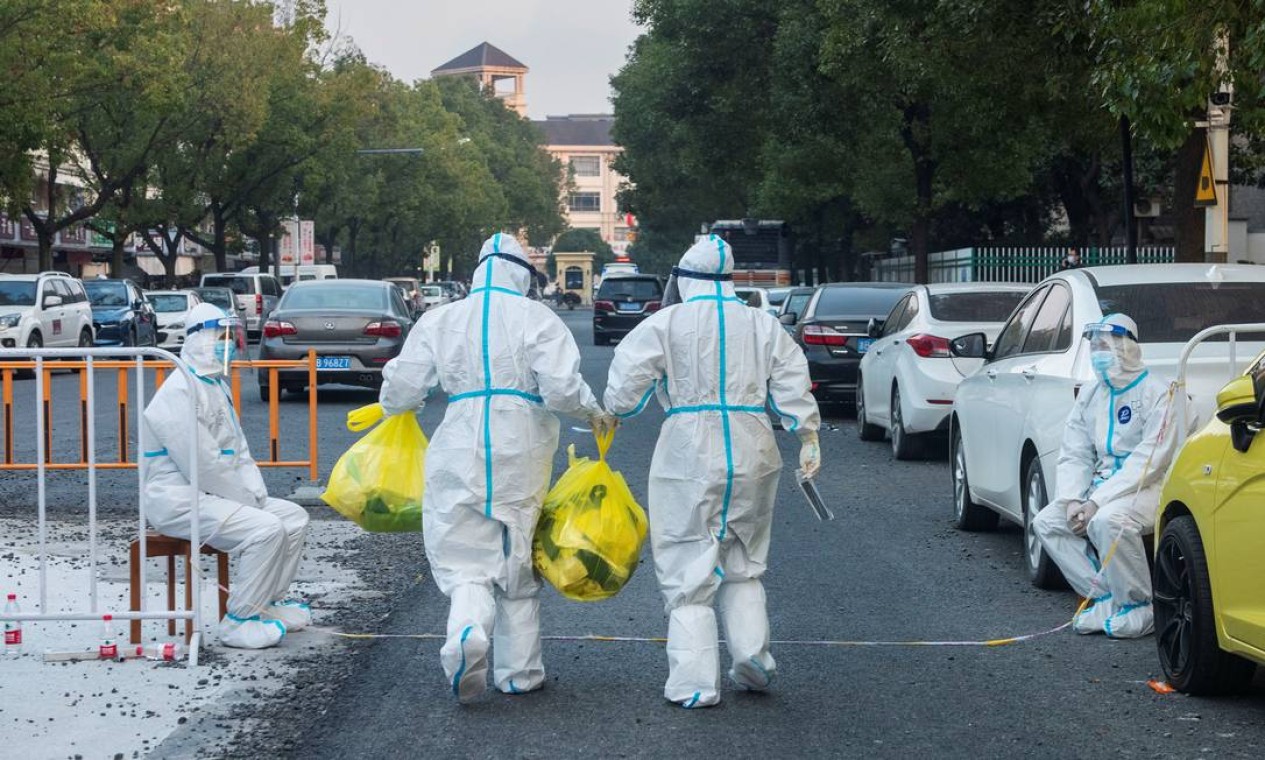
(907, 377)
(1008, 418)
(434, 295)
(171, 307)
(49, 310)
(757, 298)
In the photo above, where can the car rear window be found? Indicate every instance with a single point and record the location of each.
(334, 297)
(840, 302)
(17, 293)
(631, 288)
(1172, 312)
(218, 298)
(169, 303)
(974, 307)
(239, 285)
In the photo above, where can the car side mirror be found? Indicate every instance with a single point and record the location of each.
(52, 301)
(1236, 402)
(972, 346)
(875, 328)
(789, 319)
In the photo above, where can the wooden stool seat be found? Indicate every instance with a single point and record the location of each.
(158, 545)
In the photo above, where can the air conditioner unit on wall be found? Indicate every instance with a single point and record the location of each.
(1147, 207)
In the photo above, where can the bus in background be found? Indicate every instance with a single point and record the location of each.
(762, 250)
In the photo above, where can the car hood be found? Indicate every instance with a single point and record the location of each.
(109, 313)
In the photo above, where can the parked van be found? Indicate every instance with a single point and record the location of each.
(302, 273)
(257, 294)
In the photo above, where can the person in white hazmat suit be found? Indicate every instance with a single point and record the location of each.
(236, 515)
(713, 363)
(508, 364)
(1121, 437)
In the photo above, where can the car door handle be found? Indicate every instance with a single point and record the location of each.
(1029, 373)
(992, 374)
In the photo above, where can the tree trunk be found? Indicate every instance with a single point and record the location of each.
(914, 131)
(45, 234)
(117, 243)
(1189, 219)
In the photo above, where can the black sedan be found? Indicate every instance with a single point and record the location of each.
(355, 327)
(622, 302)
(833, 331)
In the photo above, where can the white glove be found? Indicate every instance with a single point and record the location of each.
(809, 456)
(603, 423)
(1079, 514)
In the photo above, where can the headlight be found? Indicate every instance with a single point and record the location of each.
(176, 326)
(10, 320)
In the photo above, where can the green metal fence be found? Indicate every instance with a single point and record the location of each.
(1007, 264)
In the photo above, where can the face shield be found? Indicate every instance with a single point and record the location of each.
(1109, 347)
(221, 332)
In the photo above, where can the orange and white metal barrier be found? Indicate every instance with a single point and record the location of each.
(10, 363)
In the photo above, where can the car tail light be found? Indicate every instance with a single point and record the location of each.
(653, 305)
(603, 306)
(385, 329)
(820, 335)
(929, 346)
(259, 303)
(275, 329)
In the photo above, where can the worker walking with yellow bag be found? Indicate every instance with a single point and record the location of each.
(508, 364)
(714, 362)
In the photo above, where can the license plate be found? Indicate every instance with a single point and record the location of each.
(628, 307)
(333, 362)
(863, 344)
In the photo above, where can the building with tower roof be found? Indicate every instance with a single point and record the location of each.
(497, 71)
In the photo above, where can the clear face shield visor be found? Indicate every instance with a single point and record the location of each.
(1106, 337)
(223, 333)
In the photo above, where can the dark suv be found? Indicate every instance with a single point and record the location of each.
(622, 302)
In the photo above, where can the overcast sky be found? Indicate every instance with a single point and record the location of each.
(572, 47)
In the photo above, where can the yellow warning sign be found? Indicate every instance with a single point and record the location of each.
(1206, 191)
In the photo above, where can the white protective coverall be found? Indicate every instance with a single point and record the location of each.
(1121, 437)
(713, 362)
(235, 512)
(508, 364)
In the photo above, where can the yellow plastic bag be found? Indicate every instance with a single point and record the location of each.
(378, 482)
(588, 541)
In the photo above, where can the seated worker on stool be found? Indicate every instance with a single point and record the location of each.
(236, 514)
(1120, 439)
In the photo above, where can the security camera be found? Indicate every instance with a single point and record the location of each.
(1220, 98)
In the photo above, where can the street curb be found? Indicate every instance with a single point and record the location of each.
(308, 495)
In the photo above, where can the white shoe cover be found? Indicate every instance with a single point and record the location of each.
(1092, 618)
(1131, 621)
(751, 675)
(296, 615)
(518, 667)
(693, 657)
(250, 633)
(743, 612)
(465, 661)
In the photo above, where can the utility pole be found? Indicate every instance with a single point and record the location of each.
(1217, 216)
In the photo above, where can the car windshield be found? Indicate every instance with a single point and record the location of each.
(239, 285)
(1172, 312)
(340, 297)
(106, 293)
(432, 290)
(217, 297)
(836, 302)
(169, 303)
(632, 289)
(974, 307)
(17, 293)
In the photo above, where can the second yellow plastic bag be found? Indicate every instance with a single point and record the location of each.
(588, 541)
(378, 482)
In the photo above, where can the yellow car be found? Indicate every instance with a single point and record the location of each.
(1209, 575)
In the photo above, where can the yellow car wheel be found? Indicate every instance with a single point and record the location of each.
(1185, 625)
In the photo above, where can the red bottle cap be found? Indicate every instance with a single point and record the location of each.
(107, 617)
(13, 597)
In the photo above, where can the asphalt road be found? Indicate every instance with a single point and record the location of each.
(889, 567)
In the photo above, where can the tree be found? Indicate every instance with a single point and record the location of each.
(587, 241)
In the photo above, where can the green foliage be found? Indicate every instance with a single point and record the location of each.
(585, 240)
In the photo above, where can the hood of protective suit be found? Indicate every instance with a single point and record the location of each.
(199, 348)
(504, 274)
(710, 255)
(1128, 363)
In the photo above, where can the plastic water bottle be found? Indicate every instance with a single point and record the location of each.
(108, 649)
(167, 651)
(12, 628)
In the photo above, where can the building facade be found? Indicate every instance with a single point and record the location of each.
(583, 144)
